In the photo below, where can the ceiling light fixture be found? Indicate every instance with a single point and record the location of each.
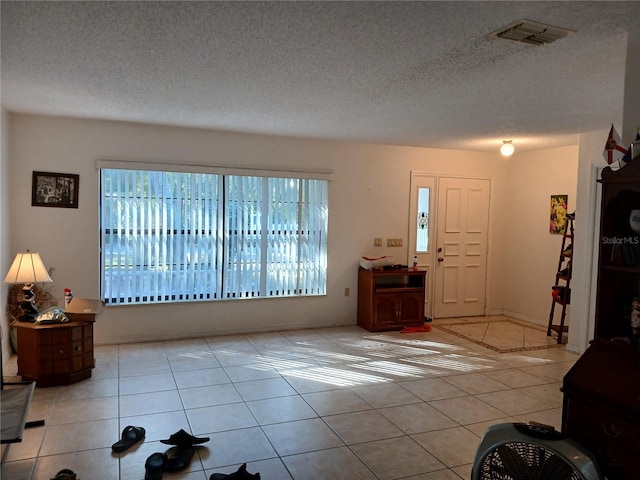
(507, 148)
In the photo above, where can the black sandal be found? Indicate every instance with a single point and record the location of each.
(184, 439)
(178, 458)
(154, 466)
(130, 436)
(65, 474)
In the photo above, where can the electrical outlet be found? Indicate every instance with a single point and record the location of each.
(377, 242)
(347, 291)
(390, 242)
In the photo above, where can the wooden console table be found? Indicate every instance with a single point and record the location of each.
(390, 299)
(56, 353)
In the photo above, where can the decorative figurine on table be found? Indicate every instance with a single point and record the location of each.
(28, 304)
(68, 296)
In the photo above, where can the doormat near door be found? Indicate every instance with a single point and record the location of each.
(504, 335)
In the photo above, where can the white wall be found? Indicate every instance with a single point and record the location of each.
(530, 253)
(369, 197)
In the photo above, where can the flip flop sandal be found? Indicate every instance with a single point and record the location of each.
(178, 458)
(154, 466)
(65, 474)
(184, 439)
(130, 435)
(240, 474)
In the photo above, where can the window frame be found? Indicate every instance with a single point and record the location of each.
(222, 235)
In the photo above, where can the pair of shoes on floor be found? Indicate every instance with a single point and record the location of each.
(176, 458)
(65, 474)
(130, 436)
(240, 474)
(173, 460)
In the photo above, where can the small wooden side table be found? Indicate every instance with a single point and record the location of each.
(56, 353)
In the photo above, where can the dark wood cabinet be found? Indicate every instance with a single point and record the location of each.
(390, 299)
(601, 407)
(55, 354)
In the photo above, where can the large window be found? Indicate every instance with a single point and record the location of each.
(182, 236)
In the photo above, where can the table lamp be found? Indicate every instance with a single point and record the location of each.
(28, 268)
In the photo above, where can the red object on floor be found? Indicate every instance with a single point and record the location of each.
(423, 328)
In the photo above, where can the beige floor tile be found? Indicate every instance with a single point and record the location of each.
(480, 428)
(147, 403)
(220, 418)
(74, 437)
(475, 383)
(453, 446)
(416, 418)
(333, 402)
(209, 396)
(91, 388)
(359, 427)
(301, 436)
(433, 389)
(265, 388)
(281, 409)
(147, 383)
(515, 378)
(251, 371)
(396, 458)
(553, 372)
(18, 470)
(137, 368)
(329, 377)
(439, 475)
(463, 471)
(386, 395)
(234, 447)
(335, 463)
(549, 392)
(466, 410)
(513, 402)
(84, 410)
(315, 380)
(197, 360)
(201, 378)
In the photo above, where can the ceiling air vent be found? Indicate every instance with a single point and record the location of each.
(533, 33)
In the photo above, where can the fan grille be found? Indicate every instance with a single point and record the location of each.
(525, 461)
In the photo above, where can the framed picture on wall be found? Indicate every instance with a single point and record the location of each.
(55, 190)
(558, 220)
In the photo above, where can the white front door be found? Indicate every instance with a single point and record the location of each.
(461, 247)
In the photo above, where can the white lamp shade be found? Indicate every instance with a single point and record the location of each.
(507, 148)
(27, 268)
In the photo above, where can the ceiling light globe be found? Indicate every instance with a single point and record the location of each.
(507, 148)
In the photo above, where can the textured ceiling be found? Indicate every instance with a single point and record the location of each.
(402, 73)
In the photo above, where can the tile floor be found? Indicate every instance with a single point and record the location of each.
(328, 403)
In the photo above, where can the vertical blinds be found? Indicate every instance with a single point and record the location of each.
(180, 236)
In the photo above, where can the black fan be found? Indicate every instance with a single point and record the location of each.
(518, 451)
